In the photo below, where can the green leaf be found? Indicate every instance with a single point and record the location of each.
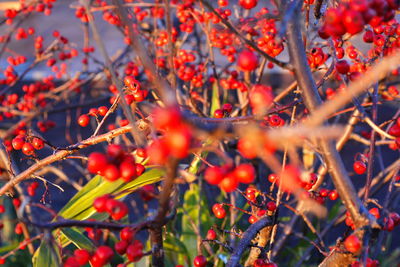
(175, 250)
(77, 238)
(215, 104)
(46, 255)
(80, 207)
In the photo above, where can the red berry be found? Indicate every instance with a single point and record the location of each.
(121, 246)
(37, 143)
(104, 253)
(214, 175)
(359, 167)
(103, 110)
(375, 212)
(229, 183)
(342, 66)
(272, 177)
(200, 261)
(119, 211)
(139, 169)
(82, 256)
(28, 149)
(247, 60)
(247, 148)
(219, 211)
(99, 203)
(127, 170)
(134, 252)
(352, 244)
(18, 229)
(127, 234)
(17, 143)
(115, 151)
(271, 206)
(218, 113)
(245, 173)
(248, 4)
(211, 235)
(97, 162)
(111, 173)
(333, 195)
(83, 120)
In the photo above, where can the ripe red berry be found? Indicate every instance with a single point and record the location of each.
(375, 212)
(115, 151)
(248, 4)
(272, 177)
(121, 246)
(18, 229)
(17, 143)
(134, 252)
(333, 195)
(211, 234)
(82, 256)
(229, 183)
(271, 206)
(359, 167)
(119, 211)
(247, 60)
(37, 143)
(99, 203)
(104, 253)
(247, 148)
(83, 120)
(103, 110)
(200, 261)
(219, 211)
(218, 113)
(28, 149)
(127, 234)
(111, 173)
(97, 162)
(245, 173)
(214, 175)
(342, 67)
(127, 170)
(352, 244)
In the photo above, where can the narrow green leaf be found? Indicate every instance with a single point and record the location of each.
(78, 239)
(46, 256)
(80, 207)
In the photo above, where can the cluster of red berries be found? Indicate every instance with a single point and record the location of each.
(27, 144)
(115, 164)
(231, 82)
(117, 209)
(261, 97)
(316, 57)
(136, 93)
(103, 254)
(369, 263)
(84, 119)
(389, 222)
(228, 178)
(32, 187)
(351, 16)
(224, 111)
(15, 61)
(176, 136)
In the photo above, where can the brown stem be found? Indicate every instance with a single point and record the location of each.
(246, 239)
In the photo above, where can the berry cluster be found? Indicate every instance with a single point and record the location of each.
(115, 208)
(27, 145)
(351, 16)
(115, 164)
(227, 178)
(176, 136)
